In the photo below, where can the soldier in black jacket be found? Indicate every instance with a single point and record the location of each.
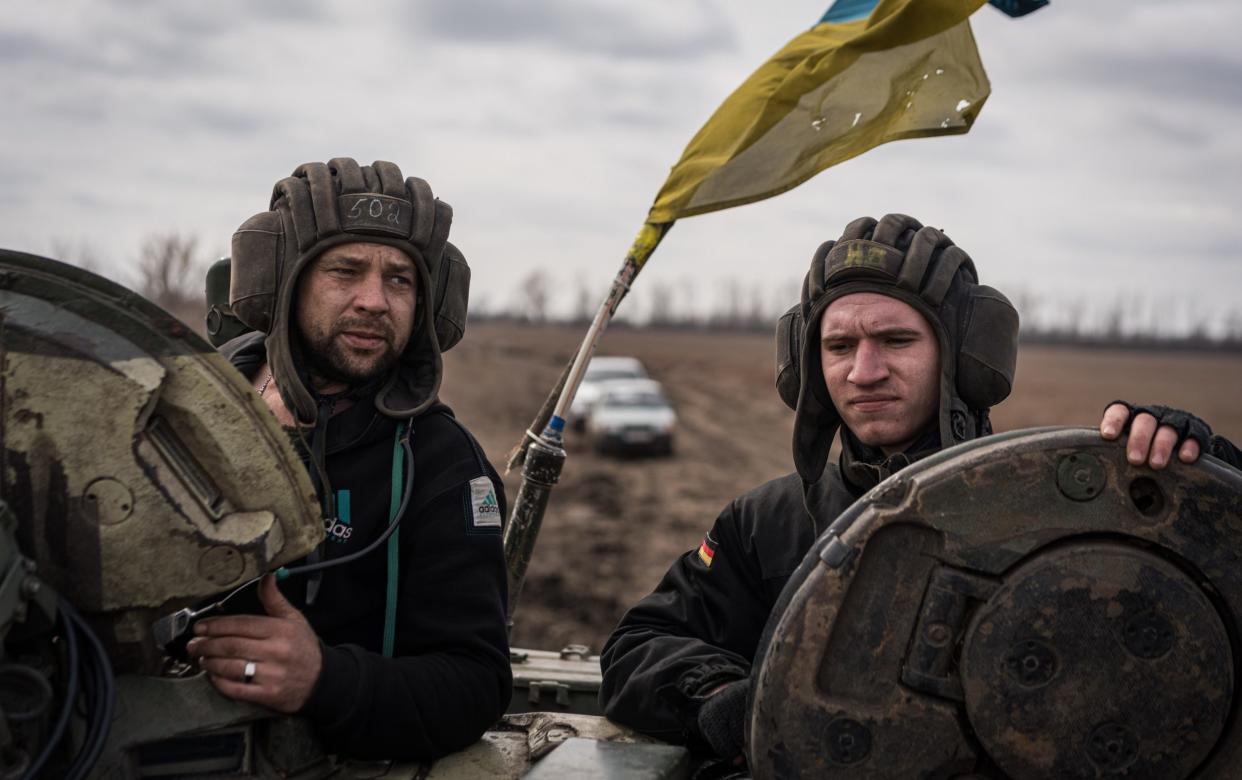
(899, 349)
(401, 652)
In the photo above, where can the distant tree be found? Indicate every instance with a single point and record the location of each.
(784, 295)
(166, 270)
(1075, 317)
(584, 304)
(756, 315)
(481, 307)
(662, 310)
(727, 309)
(689, 300)
(170, 275)
(1233, 326)
(1113, 320)
(83, 256)
(534, 296)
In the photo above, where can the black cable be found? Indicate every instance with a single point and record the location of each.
(283, 572)
(100, 694)
(71, 695)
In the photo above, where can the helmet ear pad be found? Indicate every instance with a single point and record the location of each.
(258, 252)
(790, 326)
(788, 355)
(451, 299)
(987, 356)
(813, 282)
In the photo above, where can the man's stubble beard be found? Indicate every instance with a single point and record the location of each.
(329, 359)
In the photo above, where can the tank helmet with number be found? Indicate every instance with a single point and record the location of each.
(325, 205)
(976, 326)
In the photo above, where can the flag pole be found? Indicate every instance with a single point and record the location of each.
(542, 455)
(765, 139)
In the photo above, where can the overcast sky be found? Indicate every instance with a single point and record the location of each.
(1107, 163)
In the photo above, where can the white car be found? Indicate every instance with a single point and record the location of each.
(600, 370)
(632, 415)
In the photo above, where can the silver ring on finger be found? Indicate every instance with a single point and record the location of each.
(248, 672)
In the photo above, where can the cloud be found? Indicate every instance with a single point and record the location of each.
(224, 120)
(1107, 149)
(16, 49)
(618, 30)
(1158, 75)
(102, 47)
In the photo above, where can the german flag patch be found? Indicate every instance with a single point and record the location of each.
(707, 550)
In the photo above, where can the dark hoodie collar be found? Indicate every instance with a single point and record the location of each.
(863, 467)
(353, 426)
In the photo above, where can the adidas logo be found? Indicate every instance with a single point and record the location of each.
(489, 505)
(336, 530)
(484, 508)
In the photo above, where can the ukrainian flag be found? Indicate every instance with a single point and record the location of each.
(871, 71)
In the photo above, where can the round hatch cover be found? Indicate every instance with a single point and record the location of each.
(1028, 605)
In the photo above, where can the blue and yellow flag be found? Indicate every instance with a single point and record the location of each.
(871, 71)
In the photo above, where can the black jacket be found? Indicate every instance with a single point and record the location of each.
(701, 626)
(449, 677)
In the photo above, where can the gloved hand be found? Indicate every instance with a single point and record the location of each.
(722, 719)
(1160, 430)
(1187, 425)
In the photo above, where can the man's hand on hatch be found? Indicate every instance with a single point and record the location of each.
(272, 660)
(1155, 433)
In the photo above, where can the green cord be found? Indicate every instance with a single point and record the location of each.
(394, 553)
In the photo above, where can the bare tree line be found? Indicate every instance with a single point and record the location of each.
(1128, 320)
(171, 272)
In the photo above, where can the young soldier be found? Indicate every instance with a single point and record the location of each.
(899, 348)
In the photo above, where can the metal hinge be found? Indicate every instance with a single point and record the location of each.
(537, 689)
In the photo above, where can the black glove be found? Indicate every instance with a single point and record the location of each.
(1186, 424)
(722, 719)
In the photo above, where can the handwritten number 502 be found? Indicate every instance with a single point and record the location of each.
(374, 208)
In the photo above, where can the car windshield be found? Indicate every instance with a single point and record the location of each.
(636, 400)
(605, 374)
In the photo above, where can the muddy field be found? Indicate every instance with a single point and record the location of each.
(614, 525)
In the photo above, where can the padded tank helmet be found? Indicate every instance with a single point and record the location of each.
(324, 205)
(977, 328)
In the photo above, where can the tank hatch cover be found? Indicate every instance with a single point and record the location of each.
(1028, 605)
(144, 471)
